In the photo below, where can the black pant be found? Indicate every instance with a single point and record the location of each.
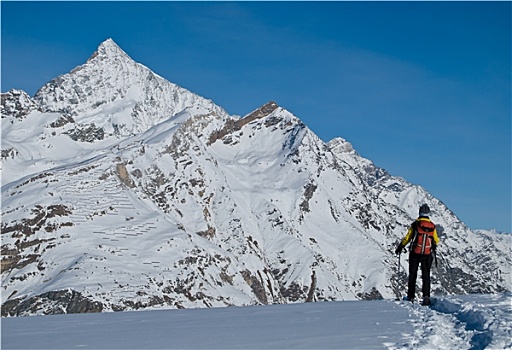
(426, 262)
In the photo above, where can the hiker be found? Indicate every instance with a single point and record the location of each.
(423, 237)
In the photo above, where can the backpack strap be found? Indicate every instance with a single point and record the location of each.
(414, 227)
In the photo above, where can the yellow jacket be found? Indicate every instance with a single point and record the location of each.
(410, 233)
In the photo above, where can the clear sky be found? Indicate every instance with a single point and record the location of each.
(423, 89)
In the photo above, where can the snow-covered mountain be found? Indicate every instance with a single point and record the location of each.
(121, 190)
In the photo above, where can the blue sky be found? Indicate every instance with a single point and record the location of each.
(423, 89)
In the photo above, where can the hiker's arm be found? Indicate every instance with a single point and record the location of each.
(436, 237)
(408, 236)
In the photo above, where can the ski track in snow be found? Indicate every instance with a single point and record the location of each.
(468, 322)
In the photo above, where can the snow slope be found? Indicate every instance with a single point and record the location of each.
(456, 322)
(123, 191)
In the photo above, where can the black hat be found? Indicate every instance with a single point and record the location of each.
(424, 210)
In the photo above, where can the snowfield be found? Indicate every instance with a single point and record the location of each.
(453, 322)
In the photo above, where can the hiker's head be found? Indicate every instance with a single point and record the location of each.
(424, 210)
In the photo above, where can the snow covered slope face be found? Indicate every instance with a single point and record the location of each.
(179, 205)
(117, 94)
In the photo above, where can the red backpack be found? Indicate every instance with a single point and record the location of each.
(424, 237)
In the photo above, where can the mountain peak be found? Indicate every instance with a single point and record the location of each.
(108, 43)
(93, 92)
(232, 125)
(262, 111)
(108, 48)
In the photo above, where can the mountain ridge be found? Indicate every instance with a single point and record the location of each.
(156, 197)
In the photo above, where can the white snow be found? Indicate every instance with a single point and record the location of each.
(454, 322)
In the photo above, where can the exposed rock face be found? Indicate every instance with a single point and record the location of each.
(17, 104)
(233, 125)
(50, 303)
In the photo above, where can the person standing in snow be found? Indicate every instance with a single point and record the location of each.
(423, 237)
